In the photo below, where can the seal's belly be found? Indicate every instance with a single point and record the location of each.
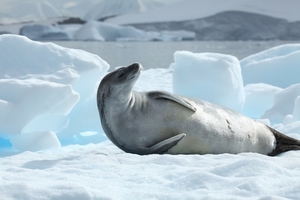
(214, 130)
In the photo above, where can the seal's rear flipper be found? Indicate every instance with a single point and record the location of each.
(165, 145)
(283, 143)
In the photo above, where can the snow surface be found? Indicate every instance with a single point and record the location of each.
(47, 100)
(101, 171)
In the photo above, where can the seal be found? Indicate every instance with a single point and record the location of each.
(158, 122)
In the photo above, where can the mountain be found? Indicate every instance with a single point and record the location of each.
(196, 9)
(111, 8)
(209, 19)
(232, 25)
(18, 11)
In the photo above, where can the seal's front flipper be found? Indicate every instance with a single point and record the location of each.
(165, 145)
(283, 143)
(177, 99)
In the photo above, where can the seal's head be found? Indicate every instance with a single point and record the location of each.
(114, 91)
(122, 79)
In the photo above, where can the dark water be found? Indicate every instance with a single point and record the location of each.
(160, 54)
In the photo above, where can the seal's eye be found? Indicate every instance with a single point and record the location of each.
(121, 75)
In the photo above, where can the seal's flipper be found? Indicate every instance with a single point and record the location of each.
(177, 99)
(165, 145)
(283, 143)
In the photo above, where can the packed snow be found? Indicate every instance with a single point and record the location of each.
(49, 120)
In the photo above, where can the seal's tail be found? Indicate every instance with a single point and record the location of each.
(283, 143)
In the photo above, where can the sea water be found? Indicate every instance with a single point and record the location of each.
(160, 54)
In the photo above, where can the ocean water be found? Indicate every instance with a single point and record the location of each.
(160, 54)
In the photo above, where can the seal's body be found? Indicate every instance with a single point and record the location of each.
(160, 122)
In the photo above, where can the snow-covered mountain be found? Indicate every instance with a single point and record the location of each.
(208, 19)
(16, 11)
(109, 8)
(196, 9)
(232, 25)
(141, 11)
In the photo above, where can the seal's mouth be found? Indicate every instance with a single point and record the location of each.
(135, 70)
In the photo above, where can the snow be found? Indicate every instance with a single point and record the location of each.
(101, 171)
(47, 103)
(209, 76)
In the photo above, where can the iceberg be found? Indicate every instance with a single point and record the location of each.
(101, 31)
(44, 32)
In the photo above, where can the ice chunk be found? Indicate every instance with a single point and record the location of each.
(273, 66)
(155, 79)
(284, 102)
(45, 59)
(43, 32)
(291, 128)
(35, 141)
(209, 76)
(40, 86)
(296, 111)
(24, 100)
(94, 30)
(259, 98)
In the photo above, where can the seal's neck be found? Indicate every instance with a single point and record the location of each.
(122, 99)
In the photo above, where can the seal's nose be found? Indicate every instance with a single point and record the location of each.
(135, 66)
